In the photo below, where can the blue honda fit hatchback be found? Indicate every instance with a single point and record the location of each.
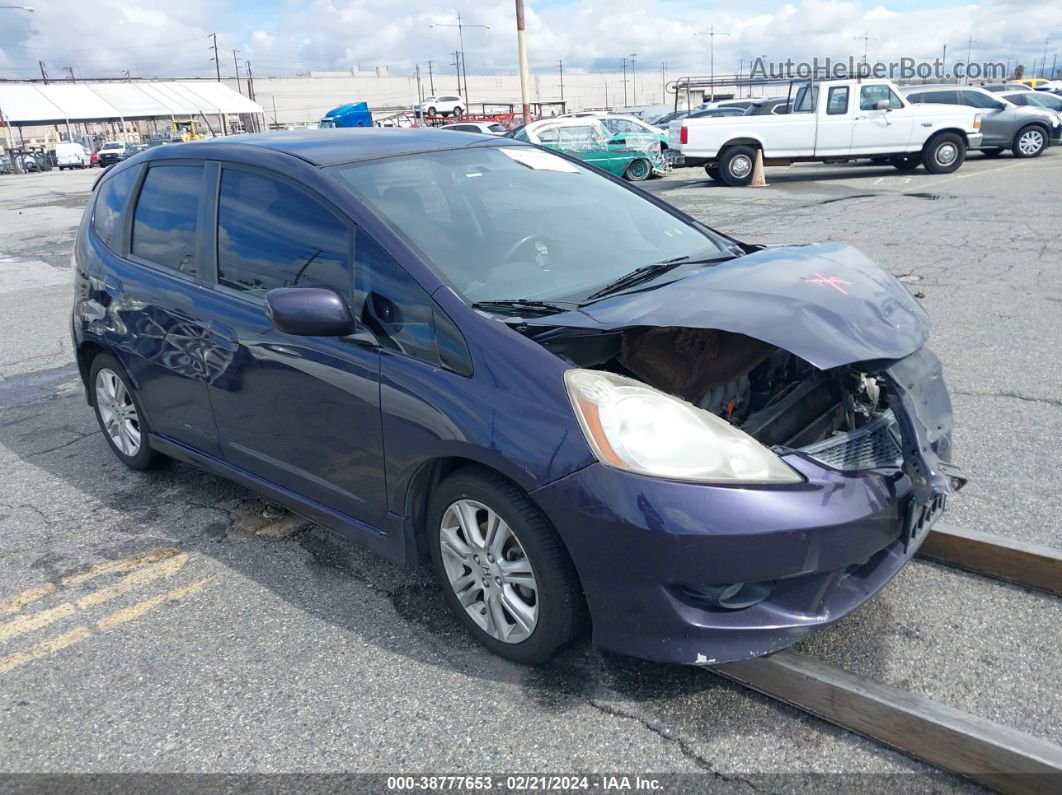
(582, 405)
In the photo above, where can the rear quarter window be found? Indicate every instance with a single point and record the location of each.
(111, 200)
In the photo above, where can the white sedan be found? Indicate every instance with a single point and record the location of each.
(485, 127)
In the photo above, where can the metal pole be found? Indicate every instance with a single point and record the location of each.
(217, 71)
(1043, 65)
(274, 98)
(560, 65)
(44, 74)
(634, 79)
(521, 46)
(237, 65)
(420, 96)
(431, 80)
(9, 145)
(624, 82)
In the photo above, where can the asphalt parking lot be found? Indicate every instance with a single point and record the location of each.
(170, 622)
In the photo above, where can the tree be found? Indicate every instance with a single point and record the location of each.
(1019, 71)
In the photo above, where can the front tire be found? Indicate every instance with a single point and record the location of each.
(502, 567)
(639, 170)
(944, 154)
(1031, 141)
(119, 414)
(735, 166)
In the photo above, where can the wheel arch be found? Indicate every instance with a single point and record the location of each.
(741, 140)
(956, 130)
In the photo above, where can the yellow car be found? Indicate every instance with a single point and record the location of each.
(1034, 82)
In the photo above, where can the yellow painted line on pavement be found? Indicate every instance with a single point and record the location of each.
(130, 581)
(118, 566)
(43, 649)
(24, 624)
(13, 604)
(136, 611)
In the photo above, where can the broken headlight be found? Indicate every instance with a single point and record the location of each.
(634, 427)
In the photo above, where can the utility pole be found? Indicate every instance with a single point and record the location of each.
(217, 71)
(70, 69)
(1043, 65)
(250, 94)
(420, 95)
(634, 78)
(866, 38)
(560, 65)
(431, 80)
(521, 46)
(1054, 66)
(711, 34)
(44, 73)
(460, 25)
(237, 65)
(970, 42)
(457, 67)
(624, 82)
(663, 81)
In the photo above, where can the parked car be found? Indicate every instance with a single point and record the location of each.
(1000, 88)
(484, 127)
(1025, 131)
(110, 153)
(772, 107)
(569, 396)
(623, 124)
(1035, 99)
(667, 118)
(633, 156)
(716, 113)
(71, 155)
(442, 105)
(833, 120)
(5, 164)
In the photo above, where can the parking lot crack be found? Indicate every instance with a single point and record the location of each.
(684, 747)
(64, 444)
(1011, 395)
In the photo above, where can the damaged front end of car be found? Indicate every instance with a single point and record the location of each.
(819, 356)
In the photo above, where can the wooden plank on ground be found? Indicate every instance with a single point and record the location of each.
(1031, 565)
(996, 756)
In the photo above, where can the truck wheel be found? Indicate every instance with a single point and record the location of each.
(639, 170)
(1030, 141)
(944, 154)
(905, 162)
(712, 172)
(735, 166)
(459, 111)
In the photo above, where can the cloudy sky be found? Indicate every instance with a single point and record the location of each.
(171, 37)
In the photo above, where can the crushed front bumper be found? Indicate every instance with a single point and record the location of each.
(647, 550)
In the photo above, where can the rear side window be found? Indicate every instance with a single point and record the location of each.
(271, 234)
(837, 101)
(166, 221)
(400, 313)
(942, 97)
(110, 202)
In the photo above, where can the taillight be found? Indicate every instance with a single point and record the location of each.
(684, 135)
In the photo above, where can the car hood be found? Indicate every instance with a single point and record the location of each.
(827, 303)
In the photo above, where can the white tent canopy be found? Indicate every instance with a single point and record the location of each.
(53, 103)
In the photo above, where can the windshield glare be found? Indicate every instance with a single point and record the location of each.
(518, 222)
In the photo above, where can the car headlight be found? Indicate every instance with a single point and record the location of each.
(634, 427)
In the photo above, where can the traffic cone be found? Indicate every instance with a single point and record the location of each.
(758, 179)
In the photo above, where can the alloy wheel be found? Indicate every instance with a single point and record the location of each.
(117, 412)
(1031, 142)
(490, 573)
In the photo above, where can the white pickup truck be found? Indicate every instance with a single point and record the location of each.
(831, 121)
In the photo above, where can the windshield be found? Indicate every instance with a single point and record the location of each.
(507, 222)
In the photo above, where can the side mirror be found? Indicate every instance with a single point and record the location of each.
(884, 104)
(619, 139)
(310, 312)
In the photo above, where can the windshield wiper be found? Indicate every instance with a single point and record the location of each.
(641, 275)
(538, 307)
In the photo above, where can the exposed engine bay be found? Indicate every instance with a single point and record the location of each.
(773, 395)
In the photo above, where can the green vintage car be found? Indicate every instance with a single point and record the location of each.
(634, 156)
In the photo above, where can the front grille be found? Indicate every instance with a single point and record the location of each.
(874, 446)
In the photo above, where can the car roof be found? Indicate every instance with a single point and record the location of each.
(330, 147)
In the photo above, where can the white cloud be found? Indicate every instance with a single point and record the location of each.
(161, 37)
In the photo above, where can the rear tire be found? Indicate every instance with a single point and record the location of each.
(1031, 141)
(553, 602)
(944, 153)
(639, 170)
(735, 166)
(458, 112)
(119, 414)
